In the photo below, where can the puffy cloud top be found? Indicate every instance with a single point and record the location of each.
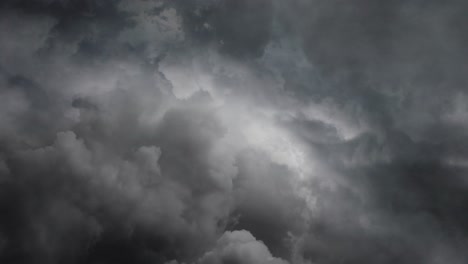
(239, 247)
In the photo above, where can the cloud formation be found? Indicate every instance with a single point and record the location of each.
(239, 247)
(233, 131)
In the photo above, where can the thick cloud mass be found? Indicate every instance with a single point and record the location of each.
(239, 247)
(233, 131)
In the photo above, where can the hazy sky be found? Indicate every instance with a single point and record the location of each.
(233, 132)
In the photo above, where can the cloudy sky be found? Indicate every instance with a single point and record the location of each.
(233, 132)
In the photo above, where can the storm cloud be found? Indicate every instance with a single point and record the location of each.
(233, 131)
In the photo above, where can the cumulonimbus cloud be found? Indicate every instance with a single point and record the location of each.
(225, 131)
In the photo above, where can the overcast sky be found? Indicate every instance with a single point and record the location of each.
(233, 132)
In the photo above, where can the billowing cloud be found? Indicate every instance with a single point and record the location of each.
(233, 131)
(239, 247)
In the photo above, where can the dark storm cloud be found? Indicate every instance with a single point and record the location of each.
(103, 187)
(276, 206)
(399, 66)
(387, 54)
(240, 29)
(223, 131)
(91, 25)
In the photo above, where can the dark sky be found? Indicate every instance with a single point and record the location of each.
(233, 132)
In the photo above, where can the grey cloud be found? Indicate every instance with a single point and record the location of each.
(240, 29)
(266, 201)
(153, 131)
(239, 247)
(117, 190)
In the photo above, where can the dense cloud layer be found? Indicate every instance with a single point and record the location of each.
(233, 131)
